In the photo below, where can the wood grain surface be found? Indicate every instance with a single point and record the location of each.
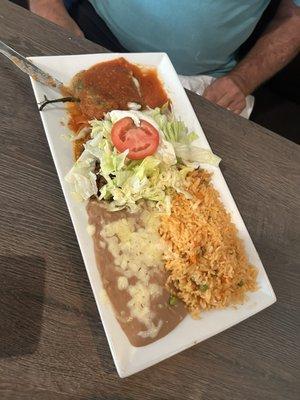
(52, 343)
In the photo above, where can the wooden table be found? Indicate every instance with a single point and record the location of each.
(52, 343)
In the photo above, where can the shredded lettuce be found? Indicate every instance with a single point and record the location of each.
(129, 181)
(194, 155)
(148, 180)
(177, 134)
(82, 178)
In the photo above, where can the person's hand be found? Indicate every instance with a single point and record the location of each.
(56, 12)
(228, 93)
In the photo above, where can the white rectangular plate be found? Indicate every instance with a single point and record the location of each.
(129, 359)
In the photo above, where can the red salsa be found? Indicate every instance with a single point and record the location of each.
(111, 85)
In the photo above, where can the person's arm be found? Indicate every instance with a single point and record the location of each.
(278, 45)
(55, 11)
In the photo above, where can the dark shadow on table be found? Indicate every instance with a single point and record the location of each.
(22, 282)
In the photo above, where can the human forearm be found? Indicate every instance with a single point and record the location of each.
(277, 46)
(56, 12)
(38, 4)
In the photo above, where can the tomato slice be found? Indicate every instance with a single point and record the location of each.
(141, 141)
